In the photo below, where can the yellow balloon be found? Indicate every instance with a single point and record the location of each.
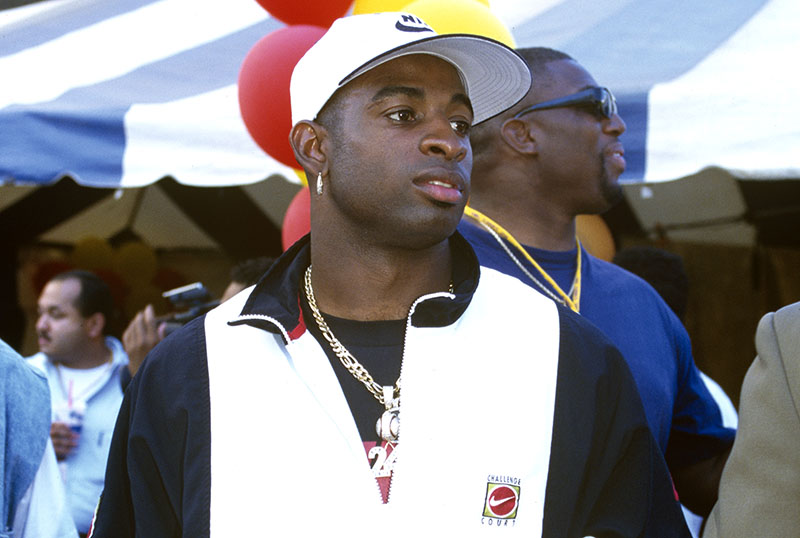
(595, 236)
(302, 175)
(377, 6)
(92, 253)
(461, 17)
(136, 263)
(140, 295)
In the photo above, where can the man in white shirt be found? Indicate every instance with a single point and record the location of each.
(82, 365)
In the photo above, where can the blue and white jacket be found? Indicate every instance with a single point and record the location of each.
(515, 414)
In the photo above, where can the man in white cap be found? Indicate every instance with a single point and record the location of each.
(376, 380)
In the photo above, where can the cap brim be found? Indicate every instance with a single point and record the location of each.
(495, 76)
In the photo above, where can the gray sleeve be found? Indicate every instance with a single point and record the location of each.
(760, 486)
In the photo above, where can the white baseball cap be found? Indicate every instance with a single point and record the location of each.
(494, 76)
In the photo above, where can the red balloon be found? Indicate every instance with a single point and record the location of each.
(319, 12)
(47, 270)
(297, 221)
(119, 289)
(168, 279)
(264, 88)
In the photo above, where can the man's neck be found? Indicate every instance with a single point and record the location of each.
(541, 225)
(377, 285)
(95, 354)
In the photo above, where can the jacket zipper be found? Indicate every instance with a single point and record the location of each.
(402, 364)
(269, 319)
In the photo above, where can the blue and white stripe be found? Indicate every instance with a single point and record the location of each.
(123, 93)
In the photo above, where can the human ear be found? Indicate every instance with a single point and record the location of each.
(517, 134)
(307, 139)
(95, 324)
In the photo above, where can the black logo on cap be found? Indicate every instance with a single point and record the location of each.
(410, 23)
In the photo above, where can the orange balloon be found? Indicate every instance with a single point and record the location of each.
(595, 236)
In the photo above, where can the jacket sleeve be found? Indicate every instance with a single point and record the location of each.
(158, 472)
(607, 477)
(760, 487)
(114, 514)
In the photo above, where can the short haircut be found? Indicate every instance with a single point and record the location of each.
(249, 271)
(537, 59)
(95, 295)
(330, 116)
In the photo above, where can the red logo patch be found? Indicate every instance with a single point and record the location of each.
(502, 501)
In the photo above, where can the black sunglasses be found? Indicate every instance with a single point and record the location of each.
(600, 99)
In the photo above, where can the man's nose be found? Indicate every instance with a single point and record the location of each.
(615, 125)
(443, 140)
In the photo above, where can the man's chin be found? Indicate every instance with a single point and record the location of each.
(610, 189)
(613, 195)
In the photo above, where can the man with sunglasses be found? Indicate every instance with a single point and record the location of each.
(556, 155)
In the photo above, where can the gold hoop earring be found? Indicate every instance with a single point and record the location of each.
(319, 183)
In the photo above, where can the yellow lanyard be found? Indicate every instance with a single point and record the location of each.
(573, 302)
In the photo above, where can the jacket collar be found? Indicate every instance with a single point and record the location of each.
(274, 302)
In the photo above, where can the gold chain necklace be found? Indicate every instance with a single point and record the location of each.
(572, 300)
(388, 425)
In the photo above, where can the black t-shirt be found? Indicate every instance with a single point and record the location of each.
(378, 346)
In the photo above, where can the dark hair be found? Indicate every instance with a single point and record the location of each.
(249, 271)
(330, 115)
(95, 295)
(662, 269)
(537, 58)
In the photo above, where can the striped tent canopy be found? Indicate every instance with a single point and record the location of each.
(125, 93)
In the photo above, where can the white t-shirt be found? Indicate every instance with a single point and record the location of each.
(77, 385)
